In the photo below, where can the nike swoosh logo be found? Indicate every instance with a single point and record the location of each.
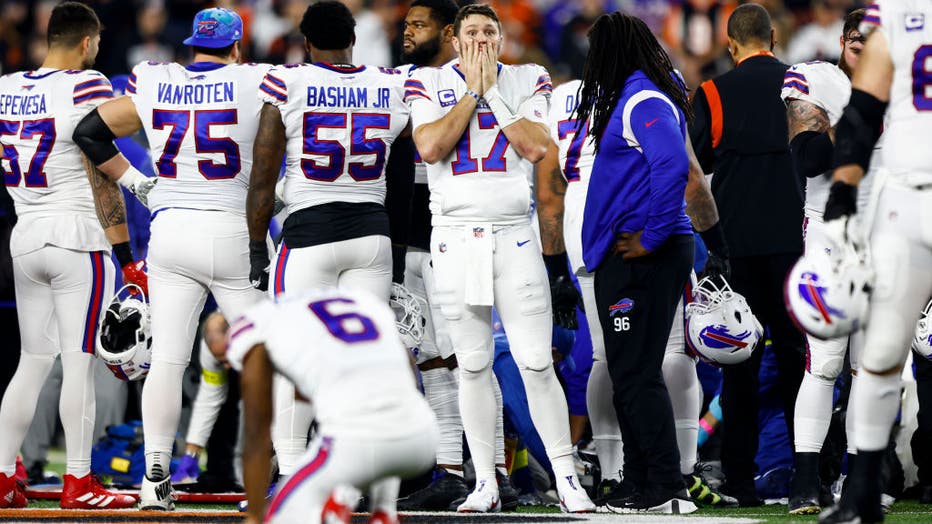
(522, 243)
(648, 124)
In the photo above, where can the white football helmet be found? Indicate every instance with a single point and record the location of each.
(408, 318)
(922, 342)
(827, 293)
(124, 341)
(720, 326)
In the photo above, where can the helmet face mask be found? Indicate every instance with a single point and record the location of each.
(720, 327)
(827, 294)
(124, 341)
(408, 317)
(922, 341)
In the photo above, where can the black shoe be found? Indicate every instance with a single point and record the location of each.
(925, 494)
(35, 475)
(804, 488)
(860, 498)
(826, 498)
(676, 503)
(438, 495)
(606, 490)
(211, 484)
(744, 493)
(506, 492)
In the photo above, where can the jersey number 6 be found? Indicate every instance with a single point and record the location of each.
(350, 327)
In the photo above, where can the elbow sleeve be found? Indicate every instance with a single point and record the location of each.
(95, 138)
(859, 129)
(812, 153)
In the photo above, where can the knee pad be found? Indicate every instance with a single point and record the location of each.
(535, 361)
(826, 368)
(474, 362)
(450, 307)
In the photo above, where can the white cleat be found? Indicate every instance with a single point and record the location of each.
(573, 499)
(157, 494)
(484, 499)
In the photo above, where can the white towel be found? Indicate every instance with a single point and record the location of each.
(480, 246)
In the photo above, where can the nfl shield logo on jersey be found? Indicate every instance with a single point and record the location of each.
(478, 232)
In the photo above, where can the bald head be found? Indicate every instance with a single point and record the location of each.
(749, 24)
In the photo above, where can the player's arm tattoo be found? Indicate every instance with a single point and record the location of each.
(551, 220)
(700, 204)
(805, 116)
(108, 197)
(267, 155)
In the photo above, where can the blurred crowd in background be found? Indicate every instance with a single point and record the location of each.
(548, 32)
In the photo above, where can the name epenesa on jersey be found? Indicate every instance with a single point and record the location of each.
(337, 96)
(196, 93)
(23, 105)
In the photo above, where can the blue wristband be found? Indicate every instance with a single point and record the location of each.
(473, 94)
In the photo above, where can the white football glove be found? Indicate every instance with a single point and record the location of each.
(138, 184)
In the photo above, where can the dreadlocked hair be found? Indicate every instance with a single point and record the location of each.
(619, 45)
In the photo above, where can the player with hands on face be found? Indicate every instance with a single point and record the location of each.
(479, 125)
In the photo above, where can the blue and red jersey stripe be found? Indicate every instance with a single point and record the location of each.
(95, 303)
(280, 265)
(323, 453)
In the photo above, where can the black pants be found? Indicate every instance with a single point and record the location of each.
(637, 300)
(760, 280)
(923, 434)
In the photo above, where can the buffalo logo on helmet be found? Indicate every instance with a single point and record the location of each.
(622, 306)
(811, 290)
(718, 337)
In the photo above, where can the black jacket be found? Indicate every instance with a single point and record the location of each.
(740, 134)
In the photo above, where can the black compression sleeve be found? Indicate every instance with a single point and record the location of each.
(812, 153)
(399, 182)
(94, 138)
(858, 130)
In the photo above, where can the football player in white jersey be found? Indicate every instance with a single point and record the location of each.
(479, 125)
(341, 350)
(566, 169)
(60, 247)
(427, 43)
(200, 120)
(335, 123)
(815, 94)
(892, 76)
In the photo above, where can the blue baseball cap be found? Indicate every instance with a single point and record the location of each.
(215, 27)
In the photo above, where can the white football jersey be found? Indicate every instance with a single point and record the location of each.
(577, 153)
(826, 86)
(340, 123)
(42, 167)
(201, 122)
(420, 167)
(340, 348)
(907, 26)
(483, 179)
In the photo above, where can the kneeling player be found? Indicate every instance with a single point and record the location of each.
(341, 350)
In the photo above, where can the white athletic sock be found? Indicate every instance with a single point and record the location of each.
(499, 421)
(442, 394)
(813, 413)
(19, 405)
(161, 411)
(77, 407)
(875, 407)
(383, 494)
(549, 413)
(477, 408)
(290, 425)
(605, 430)
(679, 374)
(851, 416)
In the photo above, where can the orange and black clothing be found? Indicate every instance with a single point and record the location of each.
(740, 133)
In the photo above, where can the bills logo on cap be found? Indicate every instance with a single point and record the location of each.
(207, 27)
(915, 21)
(447, 97)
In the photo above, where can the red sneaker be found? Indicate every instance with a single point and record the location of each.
(339, 506)
(11, 493)
(87, 493)
(21, 470)
(380, 517)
